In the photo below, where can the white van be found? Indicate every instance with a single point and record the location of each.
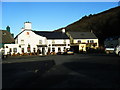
(117, 50)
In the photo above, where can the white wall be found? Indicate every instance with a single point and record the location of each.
(30, 38)
(8, 46)
(58, 41)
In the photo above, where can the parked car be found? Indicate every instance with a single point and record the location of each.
(109, 50)
(69, 52)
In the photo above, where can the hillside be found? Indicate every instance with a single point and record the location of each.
(104, 24)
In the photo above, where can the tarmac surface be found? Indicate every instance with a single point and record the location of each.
(62, 71)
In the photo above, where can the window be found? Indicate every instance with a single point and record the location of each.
(49, 45)
(64, 49)
(91, 41)
(53, 49)
(49, 49)
(64, 41)
(59, 49)
(22, 41)
(40, 41)
(53, 42)
(14, 49)
(88, 41)
(79, 41)
(28, 48)
(19, 46)
(16, 41)
(22, 50)
(10, 50)
(34, 50)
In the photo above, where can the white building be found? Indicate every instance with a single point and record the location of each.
(30, 41)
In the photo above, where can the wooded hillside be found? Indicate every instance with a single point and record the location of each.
(103, 25)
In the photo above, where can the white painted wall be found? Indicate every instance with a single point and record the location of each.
(58, 41)
(30, 38)
(11, 46)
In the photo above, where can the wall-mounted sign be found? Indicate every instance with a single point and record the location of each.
(28, 33)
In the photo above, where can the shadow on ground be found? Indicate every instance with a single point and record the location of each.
(20, 75)
(89, 72)
(80, 75)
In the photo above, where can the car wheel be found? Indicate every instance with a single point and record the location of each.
(107, 52)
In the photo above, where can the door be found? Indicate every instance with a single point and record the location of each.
(43, 50)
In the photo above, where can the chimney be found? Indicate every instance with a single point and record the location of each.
(8, 28)
(63, 30)
(28, 25)
(91, 31)
(12, 35)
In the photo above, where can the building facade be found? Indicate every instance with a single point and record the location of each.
(42, 42)
(81, 41)
(48, 42)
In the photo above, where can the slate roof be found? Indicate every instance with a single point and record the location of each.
(82, 35)
(52, 35)
(6, 37)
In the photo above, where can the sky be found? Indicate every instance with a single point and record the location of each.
(48, 16)
(59, 0)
